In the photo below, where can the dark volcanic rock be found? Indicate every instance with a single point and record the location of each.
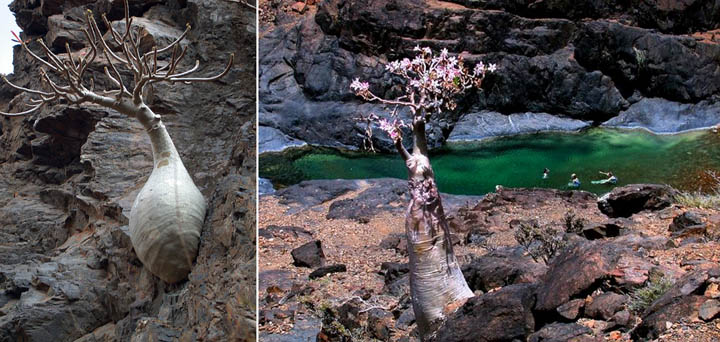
(503, 315)
(385, 195)
(643, 63)
(604, 306)
(562, 332)
(500, 268)
(571, 309)
(325, 270)
(380, 323)
(630, 199)
(686, 221)
(277, 231)
(574, 271)
(601, 231)
(310, 193)
(309, 255)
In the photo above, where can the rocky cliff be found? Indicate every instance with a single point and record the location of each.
(627, 63)
(69, 174)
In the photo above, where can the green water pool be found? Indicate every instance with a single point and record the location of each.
(680, 160)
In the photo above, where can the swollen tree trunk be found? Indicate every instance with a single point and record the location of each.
(167, 215)
(435, 276)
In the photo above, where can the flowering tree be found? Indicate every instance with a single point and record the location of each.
(431, 85)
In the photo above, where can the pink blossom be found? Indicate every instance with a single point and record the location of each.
(359, 87)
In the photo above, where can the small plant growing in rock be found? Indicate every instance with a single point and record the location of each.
(431, 85)
(643, 297)
(573, 224)
(640, 57)
(541, 243)
(168, 213)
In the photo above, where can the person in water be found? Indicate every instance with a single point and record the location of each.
(574, 181)
(546, 172)
(611, 178)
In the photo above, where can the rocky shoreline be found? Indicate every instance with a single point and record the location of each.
(606, 64)
(676, 118)
(586, 289)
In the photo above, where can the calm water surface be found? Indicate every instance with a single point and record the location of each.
(680, 160)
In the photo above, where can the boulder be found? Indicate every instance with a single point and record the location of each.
(380, 323)
(605, 305)
(574, 271)
(273, 231)
(488, 124)
(564, 332)
(571, 309)
(309, 255)
(325, 270)
(709, 309)
(663, 116)
(630, 199)
(687, 224)
(503, 315)
(501, 268)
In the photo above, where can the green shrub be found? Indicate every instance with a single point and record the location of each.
(644, 296)
(572, 223)
(542, 243)
(700, 199)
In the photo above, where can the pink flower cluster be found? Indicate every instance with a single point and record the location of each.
(393, 129)
(360, 88)
(432, 83)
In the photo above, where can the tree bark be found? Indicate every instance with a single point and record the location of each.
(167, 215)
(435, 276)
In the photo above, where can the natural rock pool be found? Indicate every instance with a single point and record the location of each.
(475, 168)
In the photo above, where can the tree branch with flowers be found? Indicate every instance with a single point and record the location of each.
(432, 84)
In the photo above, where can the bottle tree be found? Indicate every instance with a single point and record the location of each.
(168, 213)
(432, 84)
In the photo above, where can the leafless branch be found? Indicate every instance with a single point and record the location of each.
(71, 68)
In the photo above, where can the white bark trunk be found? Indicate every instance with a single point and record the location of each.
(435, 276)
(167, 215)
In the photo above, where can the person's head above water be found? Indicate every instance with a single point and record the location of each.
(546, 170)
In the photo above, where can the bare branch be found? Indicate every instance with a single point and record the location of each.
(27, 90)
(71, 69)
(177, 41)
(36, 107)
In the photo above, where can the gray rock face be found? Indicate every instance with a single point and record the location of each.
(590, 62)
(488, 124)
(273, 140)
(664, 116)
(68, 176)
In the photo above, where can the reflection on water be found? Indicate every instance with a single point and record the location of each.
(475, 168)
